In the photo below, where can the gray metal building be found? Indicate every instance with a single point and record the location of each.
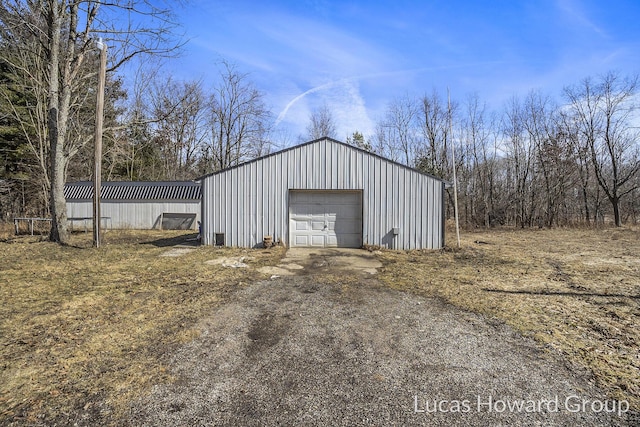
(136, 204)
(323, 193)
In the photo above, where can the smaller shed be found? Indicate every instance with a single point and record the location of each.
(141, 205)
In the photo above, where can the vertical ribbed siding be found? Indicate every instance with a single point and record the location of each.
(252, 200)
(135, 215)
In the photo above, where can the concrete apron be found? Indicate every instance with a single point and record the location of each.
(302, 261)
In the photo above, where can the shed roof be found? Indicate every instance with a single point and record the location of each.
(134, 190)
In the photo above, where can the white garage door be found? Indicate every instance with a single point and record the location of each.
(325, 219)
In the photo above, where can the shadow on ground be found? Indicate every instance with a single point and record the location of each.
(182, 240)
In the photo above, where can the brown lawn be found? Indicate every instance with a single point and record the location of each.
(83, 330)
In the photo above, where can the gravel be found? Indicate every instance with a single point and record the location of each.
(300, 351)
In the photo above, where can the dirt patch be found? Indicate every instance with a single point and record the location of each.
(231, 262)
(304, 261)
(176, 252)
(265, 332)
(297, 351)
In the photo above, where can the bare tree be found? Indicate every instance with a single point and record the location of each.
(582, 196)
(604, 112)
(549, 176)
(321, 124)
(239, 122)
(179, 118)
(59, 34)
(478, 132)
(132, 156)
(434, 118)
(521, 156)
(398, 131)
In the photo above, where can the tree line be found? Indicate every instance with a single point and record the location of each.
(536, 162)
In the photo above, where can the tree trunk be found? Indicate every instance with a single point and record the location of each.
(59, 232)
(58, 205)
(615, 202)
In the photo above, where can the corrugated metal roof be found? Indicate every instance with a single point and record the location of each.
(135, 190)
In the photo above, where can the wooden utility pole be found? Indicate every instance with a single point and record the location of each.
(97, 170)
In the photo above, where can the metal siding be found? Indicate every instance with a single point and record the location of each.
(276, 212)
(208, 203)
(251, 200)
(79, 209)
(380, 177)
(375, 199)
(136, 215)
(243, 195)
(433, 208)
(411, 211)
(424, 219)
(397, 212)
(233, 196)
(442, 192)
(238, 201)
(252, 205)
(204, 210)
(404, 191)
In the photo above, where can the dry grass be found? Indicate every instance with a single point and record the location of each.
(575, 291)
(83, 330)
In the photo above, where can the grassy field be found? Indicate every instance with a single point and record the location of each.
(83, 331)
(575, 291)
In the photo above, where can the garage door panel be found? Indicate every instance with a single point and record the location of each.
(345, 226)
(317, 225)
(308, 208)
(326, 219)
(316, 210)
(349, 240)
(342, 199)
(317, 240)
(331, 242)
(301, 225)
(297, 210)
(301, 240)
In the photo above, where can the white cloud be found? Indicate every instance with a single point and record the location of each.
(305, 45)
(577, 13)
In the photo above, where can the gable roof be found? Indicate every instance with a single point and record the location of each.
(134, 190)
(315, 141)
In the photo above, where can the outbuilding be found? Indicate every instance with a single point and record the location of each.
(323, 193)
(141, 205)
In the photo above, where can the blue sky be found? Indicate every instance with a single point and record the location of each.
(357, 56)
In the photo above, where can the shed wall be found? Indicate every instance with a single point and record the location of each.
(135, 215)
(250, 201)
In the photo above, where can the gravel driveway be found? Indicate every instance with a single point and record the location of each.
(304, 350)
